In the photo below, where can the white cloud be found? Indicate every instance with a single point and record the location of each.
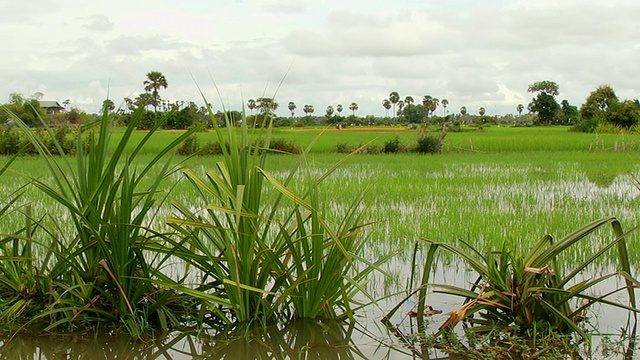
(472, 53)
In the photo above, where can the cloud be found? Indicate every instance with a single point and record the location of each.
(99, 22)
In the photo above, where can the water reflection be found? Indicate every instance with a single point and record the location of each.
(304, 339)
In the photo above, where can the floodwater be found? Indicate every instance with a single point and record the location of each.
(367, 337)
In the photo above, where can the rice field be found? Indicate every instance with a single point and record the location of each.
(499, 185)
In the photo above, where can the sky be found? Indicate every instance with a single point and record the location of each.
(320, 52)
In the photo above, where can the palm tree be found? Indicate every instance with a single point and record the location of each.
(394, 97)
(308, 109)
(353, 107)
(481, 111)
(463, 111)
(267, 106)
(66, 104)
(520, 109)
(444, 103)
(155, 81)
(251, 104)
(408, 100)
(400, 106)
(292, 106)
(434, 105)
(329, 111)
(339, 109)
(427, 103)
(386, 104)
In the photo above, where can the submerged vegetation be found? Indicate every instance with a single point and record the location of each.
(249, 256)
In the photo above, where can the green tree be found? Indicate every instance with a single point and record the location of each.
(598, 103)
(463, 110)
(251, 104)
(155, 81)
(330, 110)
(28, 110)
(339, 109)
(267, 106)
(394, 97)
(414, 114)
(570, 114)
(481, 111)
(544, 104)
(520, 109)
(353, 107)
(386, 104)
(292, 107)
(444, 103)
(308, 109)
(624, 114)
(408, 100)
(108, 105)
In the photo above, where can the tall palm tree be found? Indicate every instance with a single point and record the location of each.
(427, 103)
(408, 100)
(444, 103)
(155, 81)
(520, 109)
(386, 104)
(292, 106)
(463, 111)
(353, 107)
(308, 109)
(434, 105)
(400, 106)
(339, 109)
(251, 104)
(481, 111)
(329, 111)
(394, 97)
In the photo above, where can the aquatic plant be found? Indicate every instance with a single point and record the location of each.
(100, 272)
(267, 259)
(529, 295)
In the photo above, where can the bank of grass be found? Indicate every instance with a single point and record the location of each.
(487, 139)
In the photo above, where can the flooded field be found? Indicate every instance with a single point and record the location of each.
(482, 200)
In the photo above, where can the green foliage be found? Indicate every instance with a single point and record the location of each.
(392, 146)
(189, 146)
(545, 87)
(526, 294)
(266, 259)
(428, 144)
(546, 107)
(99, 271)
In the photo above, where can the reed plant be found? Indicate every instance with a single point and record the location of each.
(528, 295)
(101, 271)
(268, 252)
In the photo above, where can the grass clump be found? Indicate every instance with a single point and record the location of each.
(528, 295)
(268, 253)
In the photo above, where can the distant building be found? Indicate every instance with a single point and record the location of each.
(51, 107)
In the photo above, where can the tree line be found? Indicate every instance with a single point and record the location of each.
(601, 111)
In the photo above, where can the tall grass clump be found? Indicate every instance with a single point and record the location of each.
(101, 272)
(529, 295)
(265, 251)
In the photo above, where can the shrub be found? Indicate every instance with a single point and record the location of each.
(428, 145)
(392, 146)
(210, 148)
(284, 146)
(188, 147)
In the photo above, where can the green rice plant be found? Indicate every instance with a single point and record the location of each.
(529, 294)
(266, 251)
(102, 271)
